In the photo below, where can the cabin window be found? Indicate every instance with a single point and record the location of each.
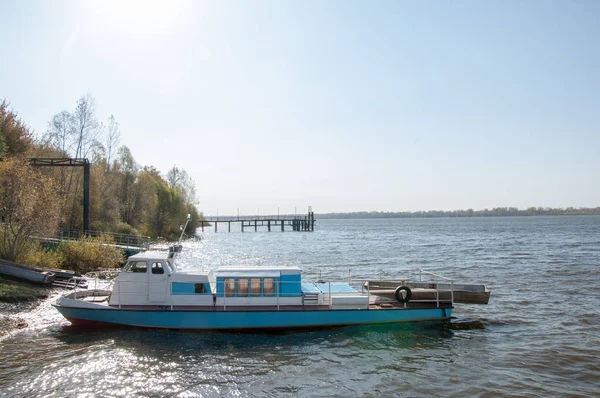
(157, 268)
(242, 287)
(229, 287)
(269, 288)
(136, 266)
(200, 288)
(255, 286)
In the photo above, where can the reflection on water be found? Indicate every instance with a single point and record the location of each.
(163, 362)
(538, 336)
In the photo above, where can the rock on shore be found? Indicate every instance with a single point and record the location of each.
(9, 323)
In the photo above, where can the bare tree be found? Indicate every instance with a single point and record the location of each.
(87, 127)
(75, 135)
(61, 132)
(113, 136)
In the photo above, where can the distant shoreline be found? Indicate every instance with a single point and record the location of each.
(495, 212)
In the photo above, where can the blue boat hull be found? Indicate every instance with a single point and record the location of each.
(212, 320)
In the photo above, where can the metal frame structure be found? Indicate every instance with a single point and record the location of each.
(72, 162)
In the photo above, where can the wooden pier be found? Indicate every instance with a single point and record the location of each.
(295, 223)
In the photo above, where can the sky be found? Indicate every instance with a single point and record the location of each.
(274, 106)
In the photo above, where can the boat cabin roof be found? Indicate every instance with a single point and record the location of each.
(262, 271)
(150, 255)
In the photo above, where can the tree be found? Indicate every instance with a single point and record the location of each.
(86, 126)
(169, 210)
(77, 134)
(3, 146)
(61, 132)
(29, 206)
(179, 180)
(15, 137)
(113, 136)
(74, 135)
(129, 170)
(123, 196)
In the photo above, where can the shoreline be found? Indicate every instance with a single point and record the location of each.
(9, 324)
(17, 297)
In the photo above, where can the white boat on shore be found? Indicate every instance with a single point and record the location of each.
(25, 272)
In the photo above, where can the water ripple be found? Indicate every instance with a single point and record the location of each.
(537, 337)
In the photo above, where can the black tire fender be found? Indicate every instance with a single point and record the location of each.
(399, 296)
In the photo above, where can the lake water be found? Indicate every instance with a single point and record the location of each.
(539, 336)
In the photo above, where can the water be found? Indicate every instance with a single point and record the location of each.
(539, 336)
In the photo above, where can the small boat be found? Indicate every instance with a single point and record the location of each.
(152, 292)
(26, 272)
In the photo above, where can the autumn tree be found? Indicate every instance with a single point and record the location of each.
(15, 136)
(29, 206)
(3, 147)
(169, 210)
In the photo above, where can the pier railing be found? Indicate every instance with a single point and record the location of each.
(121, 240)
(252, 218)
(305, 222)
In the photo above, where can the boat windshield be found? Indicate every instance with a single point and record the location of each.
(135, 266)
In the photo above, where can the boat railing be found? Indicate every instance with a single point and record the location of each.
(434, 280)
(278, 296)
(100, 279)
(437, 285)
(328, 293)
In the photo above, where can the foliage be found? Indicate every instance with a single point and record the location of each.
(43, 258)
(124, 196)
(124, 228)
(13, 292)
(168, 209)
(15, 137)
(89, 254)
(3, 146)
(29, 206)
(179, 180)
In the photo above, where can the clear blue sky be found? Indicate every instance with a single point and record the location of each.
(342, 105)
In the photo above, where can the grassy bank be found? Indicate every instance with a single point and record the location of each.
(21, 292)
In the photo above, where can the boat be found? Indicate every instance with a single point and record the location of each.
(150, 291)
(25, 272)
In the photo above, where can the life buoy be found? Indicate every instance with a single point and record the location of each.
(399, 296)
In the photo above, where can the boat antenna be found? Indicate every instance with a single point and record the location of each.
(183, 227)
(174, 249)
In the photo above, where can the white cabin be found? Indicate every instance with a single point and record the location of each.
(151, 279)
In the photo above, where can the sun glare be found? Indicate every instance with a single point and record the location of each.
(137, 17)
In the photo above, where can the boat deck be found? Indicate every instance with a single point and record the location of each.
(373, 306)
